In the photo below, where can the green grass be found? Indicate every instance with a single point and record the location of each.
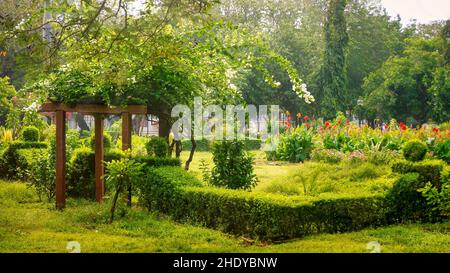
(316, 179)
(27, 225)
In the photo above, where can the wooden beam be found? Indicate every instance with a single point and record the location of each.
(60, 117)
(99, 168)
(93, 108)
(127, 127)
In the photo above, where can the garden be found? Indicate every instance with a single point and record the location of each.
(362, 154)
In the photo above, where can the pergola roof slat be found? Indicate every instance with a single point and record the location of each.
(94, 108)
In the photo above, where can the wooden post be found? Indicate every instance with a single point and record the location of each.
(126, 141)
(60, 118)
(99, 169)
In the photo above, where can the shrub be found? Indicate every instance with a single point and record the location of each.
(327, 155)
(12, 164)
(415, 150)
(404, 200)
(81, 171)
(30, 134)
(41, 176)
(233, 166)
(384, 157)
(119, 176)
(429, 170)
(356, 157)
(203, 145)
(294, 146)
(106, 141)
(151, 161)
(177, 193)
(157, 146)
(161, 187)
(442, 150)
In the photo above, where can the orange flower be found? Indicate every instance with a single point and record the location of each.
(299, 115)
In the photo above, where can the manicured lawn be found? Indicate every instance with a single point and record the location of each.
(27, 225)
(310, 178)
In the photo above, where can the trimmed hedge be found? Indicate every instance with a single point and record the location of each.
(204, 145)
(13, 163)
(81, 171)
(30, 134)
(177, 193)
(80, 182)
(428, 170)
(151, 161)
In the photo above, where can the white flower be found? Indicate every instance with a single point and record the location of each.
(33, 107)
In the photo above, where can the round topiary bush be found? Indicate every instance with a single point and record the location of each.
(30, 134)
(414, 150)
(157, 146)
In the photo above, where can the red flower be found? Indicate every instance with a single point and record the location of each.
(327, 124)
(436, 130)
(386, 126)
(307, 125)
(306, 118)
(402, 126)
(339, 122)
(288, 117)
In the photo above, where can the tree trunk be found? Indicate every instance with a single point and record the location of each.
(82, 123)
(191, 155)
(113, 205)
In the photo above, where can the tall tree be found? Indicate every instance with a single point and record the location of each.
(333, 74)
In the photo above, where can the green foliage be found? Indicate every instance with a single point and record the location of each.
(157, 146)
(206, 145)
(7, 91)
(30, 134)
(439, 198)
(42, 176)
(410, 86)
(233, 166)
(151, 161)
(161, 186)
(81, 171)
(428, 170)
(294, 146)
(333, 73)
(120, 174)
(405, 201)
(384, 157)
(253, 214)
(106, 141)
(442, 150)
(81, 168)
(415, 150)
(327, 155)
(12, 164)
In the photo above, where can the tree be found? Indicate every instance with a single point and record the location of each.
(333, 74)
(7, 92)
(411, 87)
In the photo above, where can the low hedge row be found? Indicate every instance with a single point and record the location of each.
(151, 161)
(428, 170)
(14, 162)
(81, 169)
(173, 191)
(204, 145)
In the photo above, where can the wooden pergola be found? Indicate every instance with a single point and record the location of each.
(98, 111)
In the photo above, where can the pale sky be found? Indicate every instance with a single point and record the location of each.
(424, 11)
